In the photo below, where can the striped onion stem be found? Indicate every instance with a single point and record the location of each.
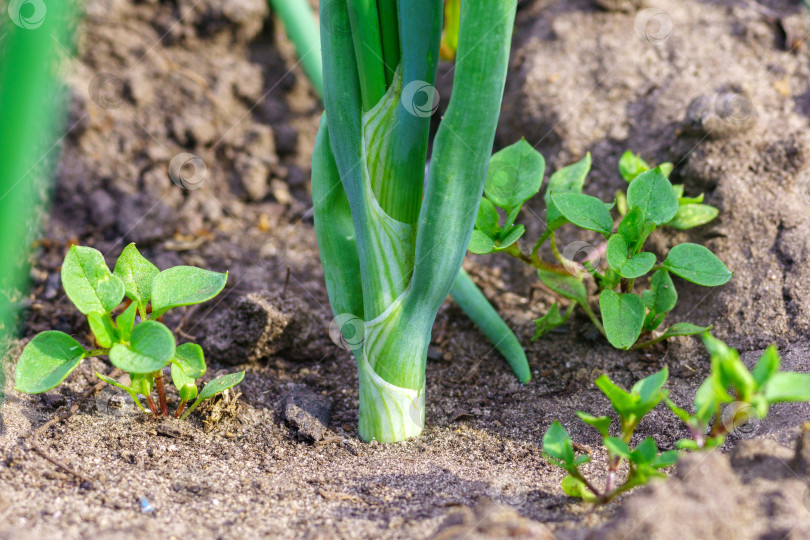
(390, 252)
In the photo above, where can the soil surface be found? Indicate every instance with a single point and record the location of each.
(720, 88)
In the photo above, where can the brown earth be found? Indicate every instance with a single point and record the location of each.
(156, 78)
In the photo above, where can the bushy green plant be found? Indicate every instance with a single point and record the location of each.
(747, 397)
(135, 341)
(516, 175)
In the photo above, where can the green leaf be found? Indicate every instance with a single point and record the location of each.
(692, 215)
(189, 356)
(137, 273)
(151, 348)
(649, 388)
(46, 361)
(102, 327)
(683, 201)
(788, 386)
(181, 379)
(662, 295)
(686, 444)
(633, 227)
(221, 384)
(767, 365)
(557, 443)
(184, 286)
(569, 179)
(685, 329)
(697, 264)
(666, 168)
(617, 447)
(677, 411)
(88, 281)
(631, 165)
(621, 400)
(515, 175)
(583, 211)
(622, 317)
(513, 236)
(645, 452)
(511, 217)
(126, 321)
(574, 487)
(566, 285)
(480, 243)
(652, 192)
(142, 384)
(487, 219)
(551, 320)
(627, 267)
(188, 392)
(601, 423)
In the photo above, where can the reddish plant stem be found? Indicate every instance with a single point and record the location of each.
(164, 408)
(180, 409)
(152, 405)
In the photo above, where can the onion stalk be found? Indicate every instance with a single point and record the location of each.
(392, 244)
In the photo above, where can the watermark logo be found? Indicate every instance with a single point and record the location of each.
(348, 331)
(734, 108)
(113, 401)
(579, 256)
(188, 171)
(28, 14)
(741, 419)
(417, 415)
(106, 90)
(505, 489)
(421, 99)
(653, 26)
(338, 24)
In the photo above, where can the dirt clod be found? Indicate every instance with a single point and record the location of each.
(307, 412)
(263, 324)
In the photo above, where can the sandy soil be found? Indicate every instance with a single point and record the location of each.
(156, 78)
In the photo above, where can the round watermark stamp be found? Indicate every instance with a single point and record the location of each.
(188, 171)
(505, 489)
(741, 419)
(348, 331)
(28, 14)
(421, 99)
(578, 254)
(114, 401)
(106, 90)
(653, 26)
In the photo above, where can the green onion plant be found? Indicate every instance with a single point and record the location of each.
(391, 242)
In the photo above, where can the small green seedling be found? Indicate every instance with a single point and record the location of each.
(644, 460)
(747, 396)
(733, 398)
(515, 175)
(135, 341)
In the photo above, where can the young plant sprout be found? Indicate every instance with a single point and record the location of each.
(746, 395)
(516, 174)
(390, 242)
(135, 341)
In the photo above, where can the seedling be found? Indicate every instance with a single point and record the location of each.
(135, 341)
(748, 396)
(644, 460)
(733, 398)
(516, 175)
